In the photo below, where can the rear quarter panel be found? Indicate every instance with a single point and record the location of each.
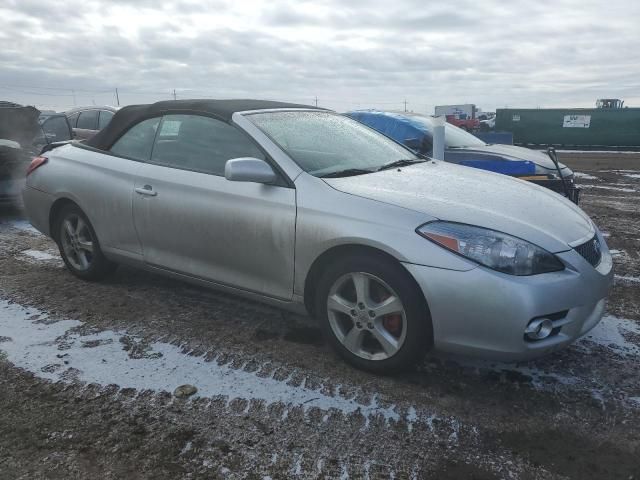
(101, 185)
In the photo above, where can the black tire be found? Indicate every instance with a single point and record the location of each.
(99, 266)
(419, 334)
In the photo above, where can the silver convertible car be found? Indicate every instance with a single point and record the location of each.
(312, 211)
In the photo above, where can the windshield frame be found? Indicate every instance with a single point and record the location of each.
(406, 152)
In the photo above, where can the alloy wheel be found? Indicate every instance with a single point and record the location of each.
(366, 316)
(77, 242)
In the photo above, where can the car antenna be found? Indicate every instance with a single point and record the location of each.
(551, 151)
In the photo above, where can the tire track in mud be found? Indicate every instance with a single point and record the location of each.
(208, 437)
(51, 348)
(55, 350)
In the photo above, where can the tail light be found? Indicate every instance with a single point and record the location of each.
(35, 163)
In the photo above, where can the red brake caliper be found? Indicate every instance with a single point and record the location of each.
(392, 322)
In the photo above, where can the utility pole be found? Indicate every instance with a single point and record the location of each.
(117, 97)
(174, 93)
(316, 100)
(405, 104)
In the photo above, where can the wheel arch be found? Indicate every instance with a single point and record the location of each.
(337, 252)
(55, 209)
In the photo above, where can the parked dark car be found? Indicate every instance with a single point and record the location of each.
(24, 132)
(87, 121)
(416, 132)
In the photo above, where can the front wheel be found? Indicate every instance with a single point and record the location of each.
(373, 314)
(79, 245)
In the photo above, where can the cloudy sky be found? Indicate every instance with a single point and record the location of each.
(349, 54)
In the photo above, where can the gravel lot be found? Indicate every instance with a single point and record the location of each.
(87, 373)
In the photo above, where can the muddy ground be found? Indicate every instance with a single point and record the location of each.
(87, 372)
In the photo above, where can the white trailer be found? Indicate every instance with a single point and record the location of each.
(467, 110)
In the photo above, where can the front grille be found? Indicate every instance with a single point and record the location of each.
(590, 251)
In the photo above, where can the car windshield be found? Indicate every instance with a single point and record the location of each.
(454, 137)
(325, 143)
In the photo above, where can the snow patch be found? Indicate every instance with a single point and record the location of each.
(187, 448)
(22, 225)
(611, 333)
(631, 175)
(53, 350)
(605, 187)
(584, 176)
(627, 279)
(39, 255)
(412, 417)
(613, 152)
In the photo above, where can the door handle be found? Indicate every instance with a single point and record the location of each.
(146, 190)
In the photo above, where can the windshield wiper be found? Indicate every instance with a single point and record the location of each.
(400, 163)
(349, 172)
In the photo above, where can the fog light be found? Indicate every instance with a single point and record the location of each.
(538, 329)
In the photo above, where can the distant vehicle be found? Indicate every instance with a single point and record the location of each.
(87, 121)
(462, 116)
(312, 211)
(467, 110)
(416, 132)
(23, 133)
(487, 121)
(609, 103)
(54, 128)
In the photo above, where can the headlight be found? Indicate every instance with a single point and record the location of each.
(492, 249)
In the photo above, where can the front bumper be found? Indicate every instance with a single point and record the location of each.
(484, 313)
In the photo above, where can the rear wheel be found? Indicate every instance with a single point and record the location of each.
(79, 246)
(373, 313)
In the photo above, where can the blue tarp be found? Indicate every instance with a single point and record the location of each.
(393, 125)
(401, 127)
(502, 138)
(506, 167)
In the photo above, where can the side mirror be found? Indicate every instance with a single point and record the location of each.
(412, 143)
(249, 170)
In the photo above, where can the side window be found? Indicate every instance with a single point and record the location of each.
(56, 129)
(137, 142)
(88, 120)
(104, 119)
(73, 119)
(203, 144)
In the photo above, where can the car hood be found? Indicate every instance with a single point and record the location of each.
(450, 192)
(517, 153)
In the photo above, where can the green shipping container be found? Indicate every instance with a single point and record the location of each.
(571, 127)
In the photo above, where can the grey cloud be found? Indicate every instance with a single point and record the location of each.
(362, 53)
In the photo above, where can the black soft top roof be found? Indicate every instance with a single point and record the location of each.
(128, 116)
